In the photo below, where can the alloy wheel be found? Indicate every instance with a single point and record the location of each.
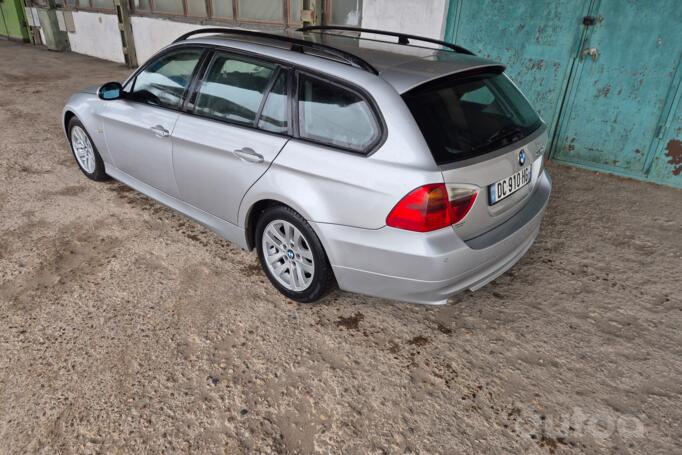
(288, 256)
(83, 149)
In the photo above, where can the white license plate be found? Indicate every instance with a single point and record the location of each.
(508, 186)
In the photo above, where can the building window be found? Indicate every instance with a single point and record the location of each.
(142, 5)
(222, 9)
(196, 8)
(100, 4)
(295, 7)
(282, 12)
(344, 12)
(261, 11)
(169, 7)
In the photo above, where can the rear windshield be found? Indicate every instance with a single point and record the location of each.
(466, 116)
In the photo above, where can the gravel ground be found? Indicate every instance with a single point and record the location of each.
(126, 328)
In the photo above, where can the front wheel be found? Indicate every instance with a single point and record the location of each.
(84, 150)
(292, 256)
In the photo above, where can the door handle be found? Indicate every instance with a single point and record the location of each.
(248, 154)
(160, 131)
(591, 52)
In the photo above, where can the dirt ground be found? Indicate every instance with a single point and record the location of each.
(126, 328)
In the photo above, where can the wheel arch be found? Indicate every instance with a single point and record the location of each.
(83, 106)
(68, 115)
(252, 210)
(252, 216)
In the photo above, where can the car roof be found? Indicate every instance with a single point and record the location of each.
(402, 66)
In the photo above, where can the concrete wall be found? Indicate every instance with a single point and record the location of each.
(97, 35)
(151, 34)
(425, 17)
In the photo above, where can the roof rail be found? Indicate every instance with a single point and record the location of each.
(403, 38)
(297, 45)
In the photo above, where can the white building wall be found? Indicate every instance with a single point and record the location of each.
(151, 34)
(97, 35)
(420, 17)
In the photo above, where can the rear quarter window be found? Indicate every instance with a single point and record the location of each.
(334, 115)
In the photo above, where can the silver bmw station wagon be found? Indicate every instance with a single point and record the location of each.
(404, 171)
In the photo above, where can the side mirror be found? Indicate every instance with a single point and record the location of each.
(110, 91)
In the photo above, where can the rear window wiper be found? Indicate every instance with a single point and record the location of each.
(505, 132)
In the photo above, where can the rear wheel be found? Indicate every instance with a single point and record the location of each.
(84, 150)
(292, 256)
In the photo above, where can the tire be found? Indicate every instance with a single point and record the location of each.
(309, 283)
(90, 164)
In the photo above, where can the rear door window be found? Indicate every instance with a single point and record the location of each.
(331, 114)
(234, 89)
(466, 116)
(276, 109)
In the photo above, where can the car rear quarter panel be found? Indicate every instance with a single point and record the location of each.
(327, 185)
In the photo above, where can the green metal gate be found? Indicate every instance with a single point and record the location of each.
(12, 21)
(606, 75)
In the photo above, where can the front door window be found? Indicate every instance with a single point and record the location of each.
(164, 81)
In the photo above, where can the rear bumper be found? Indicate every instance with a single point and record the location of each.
(429, 268)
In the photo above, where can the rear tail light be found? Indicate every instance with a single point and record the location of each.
(431, 207)
(461, 201)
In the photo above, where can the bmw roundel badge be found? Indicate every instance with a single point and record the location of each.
(522, 157)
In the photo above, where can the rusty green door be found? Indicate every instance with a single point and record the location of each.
(12, 21)
(536, 39)
(623, 91)
(606, 75)
(666, 164)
